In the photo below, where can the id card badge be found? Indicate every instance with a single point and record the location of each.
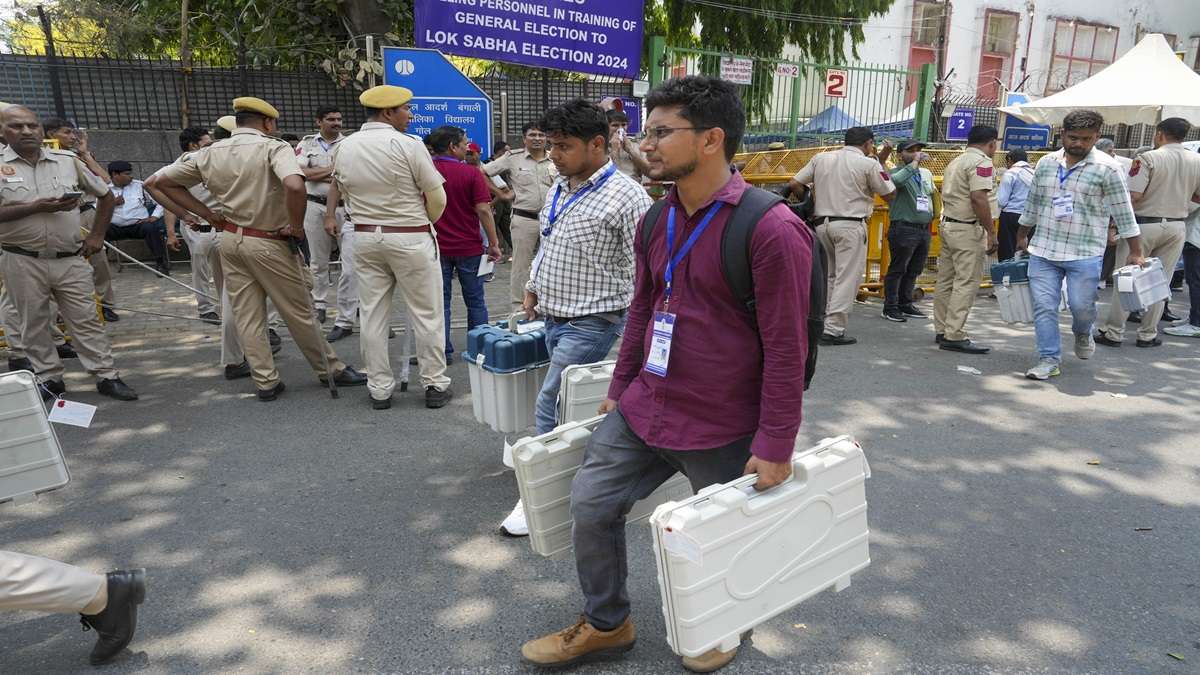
(660, 344)
(1064, 205)
(923, 204)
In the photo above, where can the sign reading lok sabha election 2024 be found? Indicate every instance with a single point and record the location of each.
(442, 95)
(603, 37)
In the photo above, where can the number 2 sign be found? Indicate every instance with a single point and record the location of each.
(835, 83)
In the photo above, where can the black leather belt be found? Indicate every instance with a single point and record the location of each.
(321, 200)
(619, 314)
(1146, 220)
(963, 222)
(36, 254)
(821, 220)
(86, 207)
(532, 215)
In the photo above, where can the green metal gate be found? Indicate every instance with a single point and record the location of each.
(802, 104)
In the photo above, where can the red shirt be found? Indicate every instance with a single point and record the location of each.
(726, 379)
(458, 231)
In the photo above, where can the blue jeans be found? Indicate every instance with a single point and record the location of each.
(1045, 283)
(583, 340)
(472, 291)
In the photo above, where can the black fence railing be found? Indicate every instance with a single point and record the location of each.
(150, 94)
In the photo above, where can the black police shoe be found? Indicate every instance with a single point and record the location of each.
(52, 388)
(20, 363)
(1102, 339)
(381, 404)
(1155, 342)
(117, 389)
(963, 346)
(274, 339)
(211, 317)
(117, 623)
(322, 316)
(828, 340)
(272, 393)
(1168, 316)
(238, 371)
(66, 351)
(1134, 317)
(939, 338)
(109, 315)
(338, 333)
(437, 399)
(349, 377)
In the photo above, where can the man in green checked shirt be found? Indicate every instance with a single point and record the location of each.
(916, 205)
(1074, 194)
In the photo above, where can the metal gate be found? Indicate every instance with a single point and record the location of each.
(803, 104)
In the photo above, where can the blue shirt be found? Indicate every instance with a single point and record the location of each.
(1014, 188)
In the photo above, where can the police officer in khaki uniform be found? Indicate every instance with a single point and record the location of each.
(845, 183)
(40, 236)
(968, 234)
(1162, 184)
(315, 153)
(531, 173)
(393, 194)
(257, 181)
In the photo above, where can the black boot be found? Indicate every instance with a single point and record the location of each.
(117, 623)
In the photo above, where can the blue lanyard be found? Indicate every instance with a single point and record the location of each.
(1062, 177)
(672, 259)
(554, 213)
(920, 182)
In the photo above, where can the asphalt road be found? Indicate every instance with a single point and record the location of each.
(312, 535)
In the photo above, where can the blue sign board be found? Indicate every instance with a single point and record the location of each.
(603, 37)
(1022, 136)
(960, 124)
(442, 95)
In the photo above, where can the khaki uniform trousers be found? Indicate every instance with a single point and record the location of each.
(12, 325)
(526, 233)
(39, 584)
(959, 269)
(1159, 240)
(320, 245)
(231, 346)
(845, 244)
(31, 285)
(202, 248)
(408, 261)
(101, 272)
(255, 269)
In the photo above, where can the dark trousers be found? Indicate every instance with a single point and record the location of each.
(618, 470)
(908, 244)
(1009, 223)
(154, 234)
(504, 223)
(467, 267)
(1109, 264)
(1191, 273)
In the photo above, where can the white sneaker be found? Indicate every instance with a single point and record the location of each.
(514, 525)
(1183, 330)
(1044, 370)
(1085, 346)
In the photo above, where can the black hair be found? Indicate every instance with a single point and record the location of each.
(857, 136)
(577, 118)
(325, 110)
(53, 124)
(981, 134)
(1175, 128)
(498, 146)
(615, 115)
(1080, 120)
(706, 103)
(191, 135)
(1015, 156)
(289, 137)
(220, 133)
(535, 124)
(244, 116)
(441, 138)
(119, 166)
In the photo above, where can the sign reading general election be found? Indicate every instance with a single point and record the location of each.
(603, 37)
(442, 95)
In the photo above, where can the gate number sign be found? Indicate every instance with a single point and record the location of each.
(835, 83)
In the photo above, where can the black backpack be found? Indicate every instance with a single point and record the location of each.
(735, 263)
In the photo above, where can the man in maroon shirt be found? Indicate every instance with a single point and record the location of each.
(701, 385)
(468, 204)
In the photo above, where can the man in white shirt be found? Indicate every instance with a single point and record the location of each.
(136, 215)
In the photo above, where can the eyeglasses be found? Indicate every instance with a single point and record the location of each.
(653, 136)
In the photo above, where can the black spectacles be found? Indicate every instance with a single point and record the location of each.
(658, 133)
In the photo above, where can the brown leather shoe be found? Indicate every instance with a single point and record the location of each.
(709, 661)
(580, 641)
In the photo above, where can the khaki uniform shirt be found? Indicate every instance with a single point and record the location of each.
(625, 164)
(531, 178)
(382, 175)
(199, 190)
(312, 154)
(1168, 178)
(845, 183)
(54, 173)
(973, 170)
(245, 175)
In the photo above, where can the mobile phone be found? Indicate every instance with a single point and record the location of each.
(72, 195)
(621, 135)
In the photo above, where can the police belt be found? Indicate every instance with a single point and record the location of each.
(532, 215)
(821, 220)
(390, 229)
(321, 200)
(86, 207)
(1148, 220)
(37, 254)
(963, 222)
(251, 232)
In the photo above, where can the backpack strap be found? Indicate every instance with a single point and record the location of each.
(735, 243)
(649, 221)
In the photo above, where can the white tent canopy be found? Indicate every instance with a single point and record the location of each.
(1146, 85)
